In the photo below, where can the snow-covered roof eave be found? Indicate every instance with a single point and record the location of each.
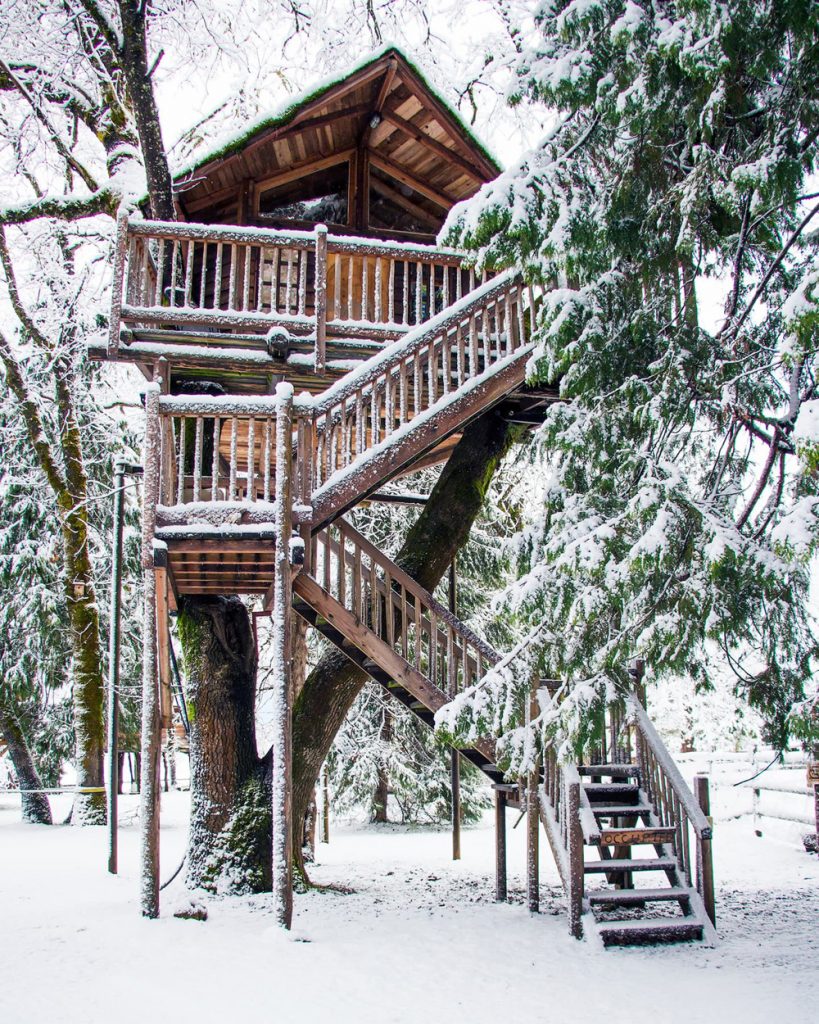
(281, 117)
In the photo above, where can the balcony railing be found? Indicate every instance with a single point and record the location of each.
(225, 278)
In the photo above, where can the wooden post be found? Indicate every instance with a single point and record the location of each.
(705, 865)
(113, 665)
(500, 845)
(149, 775)
(116, 286)
(325, 806)
(321, 298)
(282, 696)
(455, 766)
(576, 879)
(533, 819)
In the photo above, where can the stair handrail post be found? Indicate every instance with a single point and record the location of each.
(575, 850)
(282, 788)
(705, 864)
(321, 298)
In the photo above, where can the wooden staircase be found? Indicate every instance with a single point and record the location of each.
(245, 493)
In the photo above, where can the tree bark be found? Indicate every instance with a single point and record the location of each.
(439, 532)
(35, 806)
(229, 850)
(381, 795)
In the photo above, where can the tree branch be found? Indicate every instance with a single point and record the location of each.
(104, 200)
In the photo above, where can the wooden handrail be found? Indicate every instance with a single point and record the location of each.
(671, 772)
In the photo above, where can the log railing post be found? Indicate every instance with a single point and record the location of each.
(575, 846)
(282, 796)
(500, 845)
(321, 298)
(533, 818)
(113, 664)
(455, 765)
(120, 245)
(705, 865)
(149, 781)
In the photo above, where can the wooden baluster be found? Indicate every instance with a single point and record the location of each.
(350, 289)
(389, 611)
(160, 271)
(246, 279)
(250, 490)
(404, 627)
(419, 633)
(357, 584)
(180, 471)
(432, 373)
(445, 298)
(705, 867)
(377, 304)
(174, 273)
(319, 456)
(433, 646)
(521, 326)
(365, 288)
(234, 432)
(274, 280)
(214, 474)
(374, 419)
(321, 298)
(417, 384)
(203, 276)
(487, 338)
(341, 572)
(327, 538)
(461, 360)
(405, 296)
(288, 285)
(402, 392)
(266, 448)
(337, 287)
(328, 443)
(419, 292)
(389, 422)
(391, 293)
(360, 424)
(459, 283)
(232, 281)
(260, 279)
(302, 294)
(217, 278)
(446, 361)
(197, 460)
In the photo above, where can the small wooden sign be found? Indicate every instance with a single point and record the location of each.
(635, 836)
(813, 774)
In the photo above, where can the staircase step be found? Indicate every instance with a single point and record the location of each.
(621, 810)
(633, 897)
(625, 771)
(643, 933)
(636, 836)
(607, 867)
(598, 792)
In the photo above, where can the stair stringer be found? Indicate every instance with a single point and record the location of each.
(372, 647)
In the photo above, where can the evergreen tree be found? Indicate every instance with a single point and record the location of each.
(678, 506)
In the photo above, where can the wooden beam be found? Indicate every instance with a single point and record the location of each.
(395, 170)
(450, 155)
(406, 204)
(295, 171)
(383, 92)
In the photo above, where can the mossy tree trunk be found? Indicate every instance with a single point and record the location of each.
(437, 535)
(35, 806)
(229, 849)
(230, 837)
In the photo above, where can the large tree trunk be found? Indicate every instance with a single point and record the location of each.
(381, 795)
(229, 849)
(439, 532)
(35, 806)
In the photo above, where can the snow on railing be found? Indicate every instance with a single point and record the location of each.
(397, 609)
(229, 278)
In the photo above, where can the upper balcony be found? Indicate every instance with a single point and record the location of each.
(241, 305)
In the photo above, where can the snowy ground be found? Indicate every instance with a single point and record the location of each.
(419, 938)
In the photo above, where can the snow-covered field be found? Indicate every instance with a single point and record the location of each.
(418, 939)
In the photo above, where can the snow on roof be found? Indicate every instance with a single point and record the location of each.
(234, 142)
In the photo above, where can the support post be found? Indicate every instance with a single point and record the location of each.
(325, 806)
(705, 864)
(533, 819)
(500, 845)
(576, 880)
(321, 298)
(282, 695)
(455, 766)
(121, 469)
(113, 665)
(149, 775)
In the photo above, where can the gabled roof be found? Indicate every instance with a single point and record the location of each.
(384, 106)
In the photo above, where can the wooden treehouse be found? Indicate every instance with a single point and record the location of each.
(307, 342)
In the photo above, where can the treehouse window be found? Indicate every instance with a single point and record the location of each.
(320, 197)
